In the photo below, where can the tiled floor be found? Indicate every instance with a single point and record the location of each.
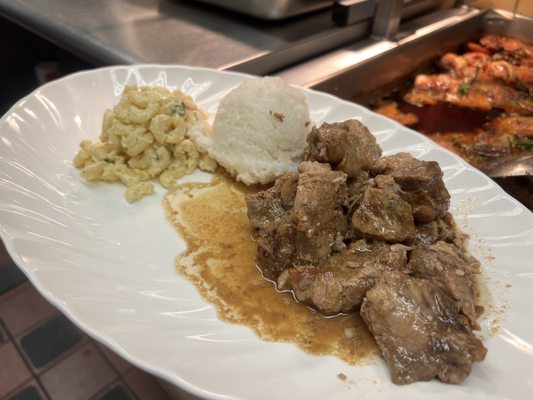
(44, 356)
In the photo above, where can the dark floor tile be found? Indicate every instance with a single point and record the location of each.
(28, 393)
(50, 340)
(10, 276)
(116, 393)
(4, 256)
(13, 370)
(145, 386)
(121, 365)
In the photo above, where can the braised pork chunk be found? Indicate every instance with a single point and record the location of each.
(420, 182)
(270, 214)
(347, 146)
(384, 215)
(353, 231)
(317, 215)
(339, 284)
(452, 270)
(419, 330)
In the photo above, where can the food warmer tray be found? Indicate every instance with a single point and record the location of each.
(362, 72)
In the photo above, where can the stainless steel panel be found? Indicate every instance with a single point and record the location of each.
(178, 32)
(272, 9)
(387, 19)
(185, 32)
(280, 9)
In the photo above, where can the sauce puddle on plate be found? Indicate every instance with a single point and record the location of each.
(220, 261)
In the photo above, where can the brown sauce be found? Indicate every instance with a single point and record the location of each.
(442, 117)
(220, 261)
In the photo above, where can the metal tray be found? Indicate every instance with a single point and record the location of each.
(365, 70)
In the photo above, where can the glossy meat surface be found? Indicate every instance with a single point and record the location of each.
(419, 330)
(300, 219)
(317, 215)
(452, 270)
(385, 216)
(339, 284)
(420, 183)
(270, 215)
(348, 146)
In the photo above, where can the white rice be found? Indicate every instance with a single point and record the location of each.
(259, 131)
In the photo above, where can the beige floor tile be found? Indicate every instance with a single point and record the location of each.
(13, 371)
(25, 309)
(78, 376)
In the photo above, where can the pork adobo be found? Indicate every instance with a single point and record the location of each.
(356, 232)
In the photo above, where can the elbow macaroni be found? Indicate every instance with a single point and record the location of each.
(143, 137)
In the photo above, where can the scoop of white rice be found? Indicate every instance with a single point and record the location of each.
(259, 131)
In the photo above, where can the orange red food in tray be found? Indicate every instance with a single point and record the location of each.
(481, 103)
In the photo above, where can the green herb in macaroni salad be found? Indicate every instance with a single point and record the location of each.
(143, 137)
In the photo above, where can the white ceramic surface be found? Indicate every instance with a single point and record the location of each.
(109, 265)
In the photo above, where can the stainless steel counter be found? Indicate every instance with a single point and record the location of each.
(107, 32)
(123, 32)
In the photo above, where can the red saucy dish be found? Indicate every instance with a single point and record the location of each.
(479, 103)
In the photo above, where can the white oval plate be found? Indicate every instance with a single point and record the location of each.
(109, 265)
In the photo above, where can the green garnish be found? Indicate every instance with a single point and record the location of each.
(520, 142)
(179, 108)
(513, 56)
(524, 143)
(517, 54)
(463, 88)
